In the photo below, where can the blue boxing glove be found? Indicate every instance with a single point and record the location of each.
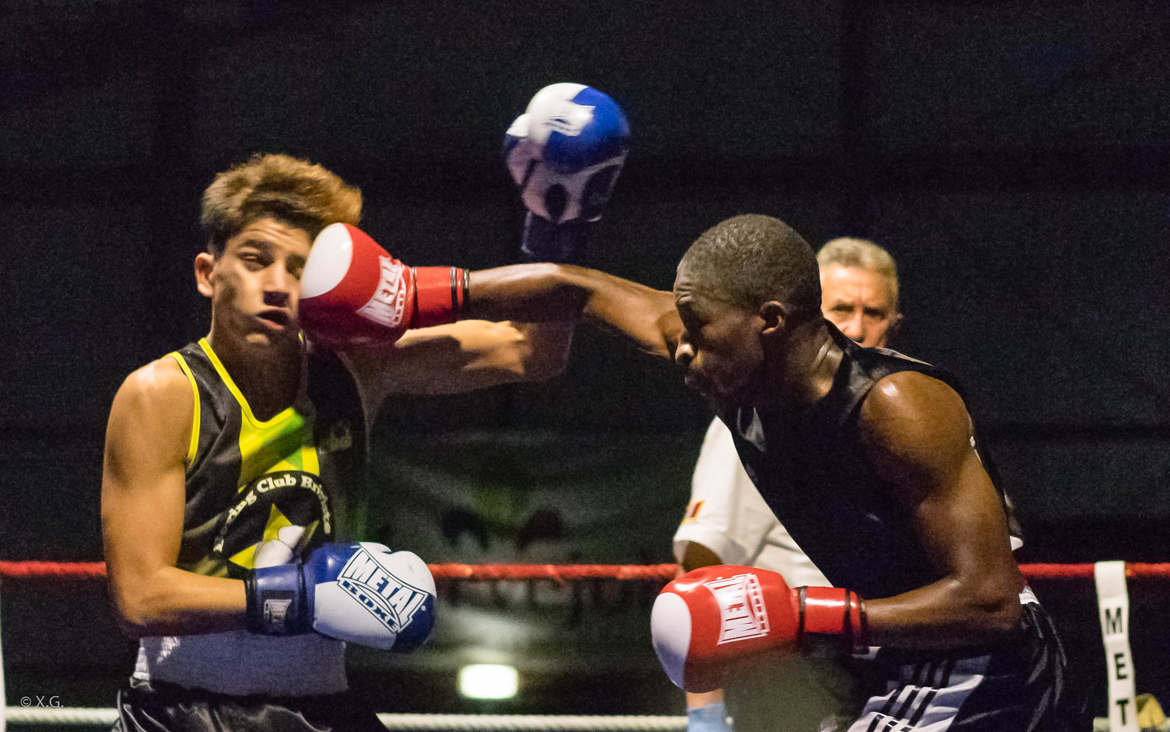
(565, 152)
(363, 593)
(709, 718)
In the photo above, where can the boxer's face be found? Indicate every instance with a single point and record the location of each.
(859, 302)
(720, 346)
(254, 285)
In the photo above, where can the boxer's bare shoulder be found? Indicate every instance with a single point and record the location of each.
(152, 412)
(911, 422)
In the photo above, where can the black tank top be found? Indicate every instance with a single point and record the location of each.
(812, 472)
(265, 491)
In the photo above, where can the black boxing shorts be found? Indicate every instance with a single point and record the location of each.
(153, 707)
(1018, 687)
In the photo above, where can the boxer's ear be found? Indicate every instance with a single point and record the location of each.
(774, 316)
(204, 267)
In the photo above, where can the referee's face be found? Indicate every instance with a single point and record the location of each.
(860, 302)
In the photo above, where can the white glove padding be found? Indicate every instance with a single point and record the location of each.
(363, 593)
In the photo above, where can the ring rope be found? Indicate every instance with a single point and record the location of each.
(85, 716)
(531, 722)
(96, 716)
(563, 572)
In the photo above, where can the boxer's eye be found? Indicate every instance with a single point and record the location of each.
(295, 266)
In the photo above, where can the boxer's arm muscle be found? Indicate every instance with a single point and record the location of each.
(143, 497)
(917, 432)
(551, 292)
(459, 357)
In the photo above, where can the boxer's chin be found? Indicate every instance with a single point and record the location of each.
(287, 338)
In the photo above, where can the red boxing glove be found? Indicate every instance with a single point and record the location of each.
(353, 292)
(708, 620)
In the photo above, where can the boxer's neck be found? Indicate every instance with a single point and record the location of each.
(803, 368)
(269, 376)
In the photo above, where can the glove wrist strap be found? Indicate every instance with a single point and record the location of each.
(545, 241)
(833, 611)
(277, 601)
(440, 295)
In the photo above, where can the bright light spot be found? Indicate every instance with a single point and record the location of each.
(488, 681)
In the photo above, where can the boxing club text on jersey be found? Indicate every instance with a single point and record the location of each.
(272, 482)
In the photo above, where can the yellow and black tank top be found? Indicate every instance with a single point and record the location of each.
(263, 492)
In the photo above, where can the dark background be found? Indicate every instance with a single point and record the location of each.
(1012, 156)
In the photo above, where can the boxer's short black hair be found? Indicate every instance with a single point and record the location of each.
(751, 259)
(303, 194)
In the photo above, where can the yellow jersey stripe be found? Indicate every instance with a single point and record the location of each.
(245, 408)
(193, 443)
(283, 442)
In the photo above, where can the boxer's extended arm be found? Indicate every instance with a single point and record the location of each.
(459, 357)
(395, 326)
(918, 434)
(143, 496)
(551, 292)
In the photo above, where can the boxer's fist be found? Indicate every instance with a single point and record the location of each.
(712, 618)
(703, 622)
(565, 153)
(353, 292)
(363, 593)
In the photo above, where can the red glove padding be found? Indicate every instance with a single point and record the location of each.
(353, 292)
(707, 621)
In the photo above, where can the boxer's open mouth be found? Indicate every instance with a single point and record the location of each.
(276, 319)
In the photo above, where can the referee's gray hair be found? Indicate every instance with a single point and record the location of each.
(848, 251)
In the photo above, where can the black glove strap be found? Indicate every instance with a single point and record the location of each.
(301, 620)
(272, 611)
(253, 619)
(545, 241)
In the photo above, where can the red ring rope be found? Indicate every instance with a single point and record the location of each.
(560, 572)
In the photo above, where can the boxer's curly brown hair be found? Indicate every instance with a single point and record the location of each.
(298, 192)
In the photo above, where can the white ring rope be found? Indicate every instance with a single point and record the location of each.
(61, 715)
(531, 722)
(93, 716)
